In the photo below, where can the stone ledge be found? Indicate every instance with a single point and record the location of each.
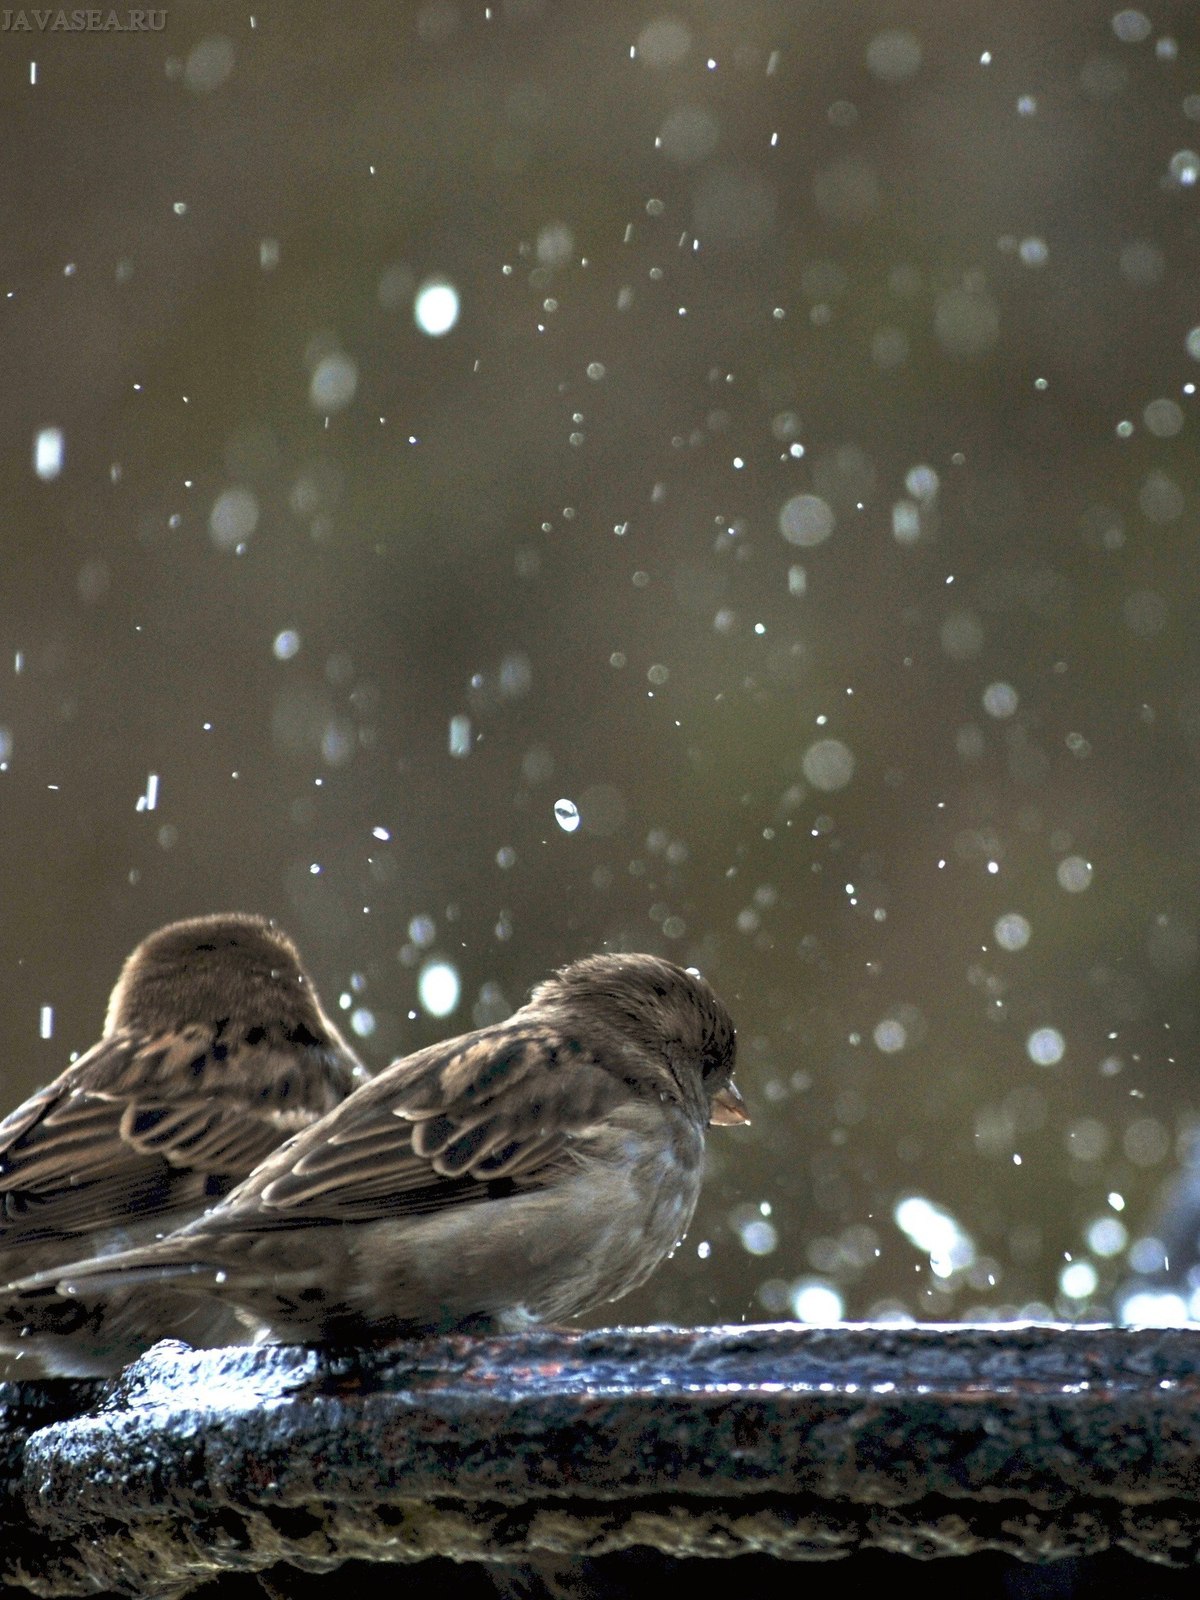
(776, 1441)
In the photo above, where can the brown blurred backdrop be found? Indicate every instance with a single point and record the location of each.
(801, 508)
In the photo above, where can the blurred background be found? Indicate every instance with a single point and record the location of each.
(487, 483)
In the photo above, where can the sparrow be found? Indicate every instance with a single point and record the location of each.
(523, 1172)
(215, 1050)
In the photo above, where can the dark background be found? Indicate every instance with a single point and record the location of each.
(709, 259)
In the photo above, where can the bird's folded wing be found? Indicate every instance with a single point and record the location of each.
(142, 1126)
(457, 1123)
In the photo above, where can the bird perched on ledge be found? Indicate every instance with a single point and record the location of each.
(526, 1171)
(215, 1050)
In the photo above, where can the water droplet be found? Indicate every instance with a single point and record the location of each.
(1074, 874)
(806, 519)
(1000, 700)
(1045, 1046)
(460, 736)
(435, 308)
(1131, 26)
(233, 518)
(1012, 931)
(890, 1036)
(48, 448)
(828, 764)
(566, 814)
(333, 383)
(438, 988)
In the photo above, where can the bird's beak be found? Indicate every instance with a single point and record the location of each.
(728, 1108)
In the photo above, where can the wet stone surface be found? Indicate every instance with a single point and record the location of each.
(774, 1443)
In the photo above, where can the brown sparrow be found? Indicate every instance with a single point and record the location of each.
(215, 1050)
(526, 1171)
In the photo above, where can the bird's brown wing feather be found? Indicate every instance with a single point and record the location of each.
(499, 1107)
(141, 1126)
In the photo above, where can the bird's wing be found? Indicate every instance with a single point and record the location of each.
(459, 1122)
(140, 1126)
